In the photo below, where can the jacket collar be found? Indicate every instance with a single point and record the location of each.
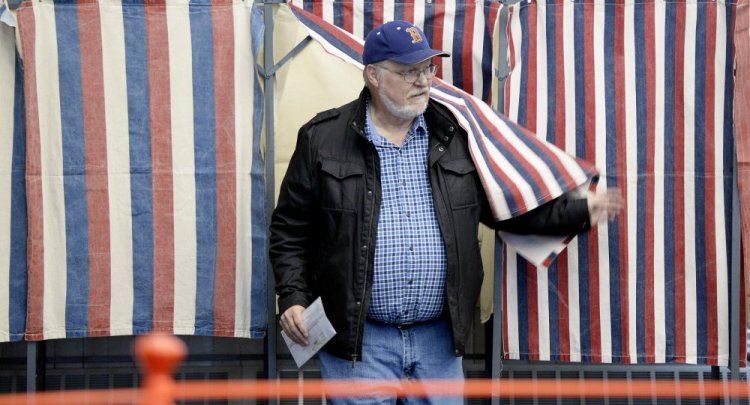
(357, 121)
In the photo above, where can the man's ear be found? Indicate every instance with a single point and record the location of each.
(371, 72)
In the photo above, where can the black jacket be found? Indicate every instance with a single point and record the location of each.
(323, 229)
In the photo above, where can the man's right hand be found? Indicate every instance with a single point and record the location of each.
(293, 324)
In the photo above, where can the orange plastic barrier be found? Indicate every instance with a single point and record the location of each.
(160, 354)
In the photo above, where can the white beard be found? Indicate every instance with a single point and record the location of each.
(406, 112)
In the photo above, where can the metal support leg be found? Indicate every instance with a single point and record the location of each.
(735, 312)
(35, 366)
(497, 294)
(497, 320)
(716, 376)
(269, 114)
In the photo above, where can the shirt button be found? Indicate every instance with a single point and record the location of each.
(451, 129)
(369, 193)
(441, 149)
(411, 248)
(408, 215)
(411, 281)
(359, 303)
(364, 247)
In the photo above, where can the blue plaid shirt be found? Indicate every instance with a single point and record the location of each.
(410, 262)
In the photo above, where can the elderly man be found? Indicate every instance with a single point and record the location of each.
(378, 215)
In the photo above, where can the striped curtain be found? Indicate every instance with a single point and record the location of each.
(464, 28)
(12, 190)
(144, 177)
(644, 90)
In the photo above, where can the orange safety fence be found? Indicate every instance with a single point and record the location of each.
(160, 354)
(471, 388)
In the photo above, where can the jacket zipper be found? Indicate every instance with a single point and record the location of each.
(367, 262)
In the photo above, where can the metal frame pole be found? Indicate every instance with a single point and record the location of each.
(503, 69)
(497, 294)
(497, 319)
(735, 312)
(35, 366)
(269, 114)
(268, 71)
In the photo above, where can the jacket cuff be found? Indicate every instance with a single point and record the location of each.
(297, 298)
(580, 207)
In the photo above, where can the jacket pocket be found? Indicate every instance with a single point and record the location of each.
(341, 185)
(461, 183)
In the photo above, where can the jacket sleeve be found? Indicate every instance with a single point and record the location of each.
(291, 230)
(565, 215)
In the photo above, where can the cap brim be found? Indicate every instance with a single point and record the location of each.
(419, 56)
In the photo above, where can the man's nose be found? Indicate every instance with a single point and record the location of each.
(422, 79)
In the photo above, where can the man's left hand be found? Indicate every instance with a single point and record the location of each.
(604, 205)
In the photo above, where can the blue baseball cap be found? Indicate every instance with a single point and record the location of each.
(399, 41)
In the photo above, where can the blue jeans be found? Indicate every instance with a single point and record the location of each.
(422, 351)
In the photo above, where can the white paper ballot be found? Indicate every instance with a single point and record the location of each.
(537, 249)
(319, 332)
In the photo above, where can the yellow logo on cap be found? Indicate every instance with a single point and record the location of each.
(415, 37)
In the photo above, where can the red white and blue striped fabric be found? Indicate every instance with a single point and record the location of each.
(465, 28)
(12, 191)
(144, 178)
(518, 170)
(644, 90)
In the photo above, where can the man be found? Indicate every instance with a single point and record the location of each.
(378, 215)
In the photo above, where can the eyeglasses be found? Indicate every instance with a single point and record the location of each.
(410, 76)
